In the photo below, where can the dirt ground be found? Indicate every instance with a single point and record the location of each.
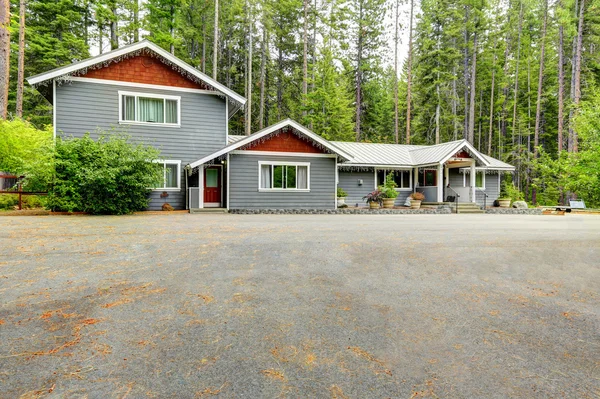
(323, 306)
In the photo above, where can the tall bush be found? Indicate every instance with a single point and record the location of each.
(110, 175)
(26, 150)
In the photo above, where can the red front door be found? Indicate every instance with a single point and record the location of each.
(212, 187)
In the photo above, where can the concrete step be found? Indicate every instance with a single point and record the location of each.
(208, 210)
(470, 211)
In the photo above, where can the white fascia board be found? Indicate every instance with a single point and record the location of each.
(267, 131)
(372, 165)
(462, 144)
(55, 73)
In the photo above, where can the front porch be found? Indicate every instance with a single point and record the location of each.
(207, 187)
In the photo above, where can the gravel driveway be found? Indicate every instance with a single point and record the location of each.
(323, 306)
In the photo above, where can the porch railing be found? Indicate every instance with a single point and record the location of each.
(456, 198)
(485, 196)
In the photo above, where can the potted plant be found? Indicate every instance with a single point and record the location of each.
(504, 198)
(374, 199)
(388, 190)
(415, 200)
(341, 197)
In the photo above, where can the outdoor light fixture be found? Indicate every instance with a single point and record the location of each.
(360, 182)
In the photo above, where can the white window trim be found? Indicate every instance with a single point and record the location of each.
(149, 95)
(482, 179)
(164, 162)
(397, 188)
(277, 163)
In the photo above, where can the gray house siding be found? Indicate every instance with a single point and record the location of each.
(492, 188)
(349, 182)
(83, 107)
(243, 184)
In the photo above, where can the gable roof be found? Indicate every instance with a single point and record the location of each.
(62, 73)
(377, 153)
(440, 153)
(240, 142)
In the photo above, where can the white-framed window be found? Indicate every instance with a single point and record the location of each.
(402, 178)
(171, 176)
(479, 179)
(283, 176)
(149, 109)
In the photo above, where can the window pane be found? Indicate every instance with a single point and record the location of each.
(171, 111)
(380, 177)
(128, 112)
(405, 179)
(171, 176)
(291, 177)
(277, 176)
(398, 178)
(151, 110)
(265, 176)
(430, 177)
(479, 179)
(212, 178)
(302, 177)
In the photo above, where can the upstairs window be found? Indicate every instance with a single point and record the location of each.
(283, 176)
(149, 109)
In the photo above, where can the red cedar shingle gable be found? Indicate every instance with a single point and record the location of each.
(286, 142)
(143, 69)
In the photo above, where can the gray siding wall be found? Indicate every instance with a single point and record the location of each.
(349, 182)
(243, 185)
(83, 107)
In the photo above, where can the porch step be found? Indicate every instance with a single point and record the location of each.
(466, 207)
(208, 210)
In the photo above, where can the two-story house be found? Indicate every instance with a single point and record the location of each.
(160, 100)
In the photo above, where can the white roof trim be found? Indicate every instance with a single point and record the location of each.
(55, 73)
(465, 143)
(267, 131)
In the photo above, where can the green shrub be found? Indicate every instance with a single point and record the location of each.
(26, 150)
(9, 202)
(110, 175)
(341, 193)
(388, 189)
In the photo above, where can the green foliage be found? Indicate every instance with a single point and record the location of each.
(341, 193)
(388, 189)
(375, 196)
(9, 202)
(25, 150)
(107, 176)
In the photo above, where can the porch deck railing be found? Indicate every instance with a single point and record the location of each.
(194, 197)
(7, 186)
(485, 196)
(457, 197)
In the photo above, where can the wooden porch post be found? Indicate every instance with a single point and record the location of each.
(440, 183)
(415, 179)
(472, 180)
(201, 186)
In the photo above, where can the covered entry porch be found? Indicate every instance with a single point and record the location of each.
(207, 186)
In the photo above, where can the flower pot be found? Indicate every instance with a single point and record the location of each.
(388, 202)
(374, 205)
(341, 201)
(504, 203)
(415, 204)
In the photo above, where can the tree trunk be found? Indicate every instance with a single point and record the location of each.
(491, 130)
(572, 87)
(305, 61)
(249, 74)
(172, 28)
(561, 87)
(263, 67)
(203, 63)
(279, 80)
(114, 19)
(538, 109)
(216, 41)
(136, 21)
(466, 75)
(21, 62)
(480, 119)
(396, 132)
(578, 61)
(471, 136)
(409, 72)
(516, 89)
(437, 111)
(359, 55)
(4, 56)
